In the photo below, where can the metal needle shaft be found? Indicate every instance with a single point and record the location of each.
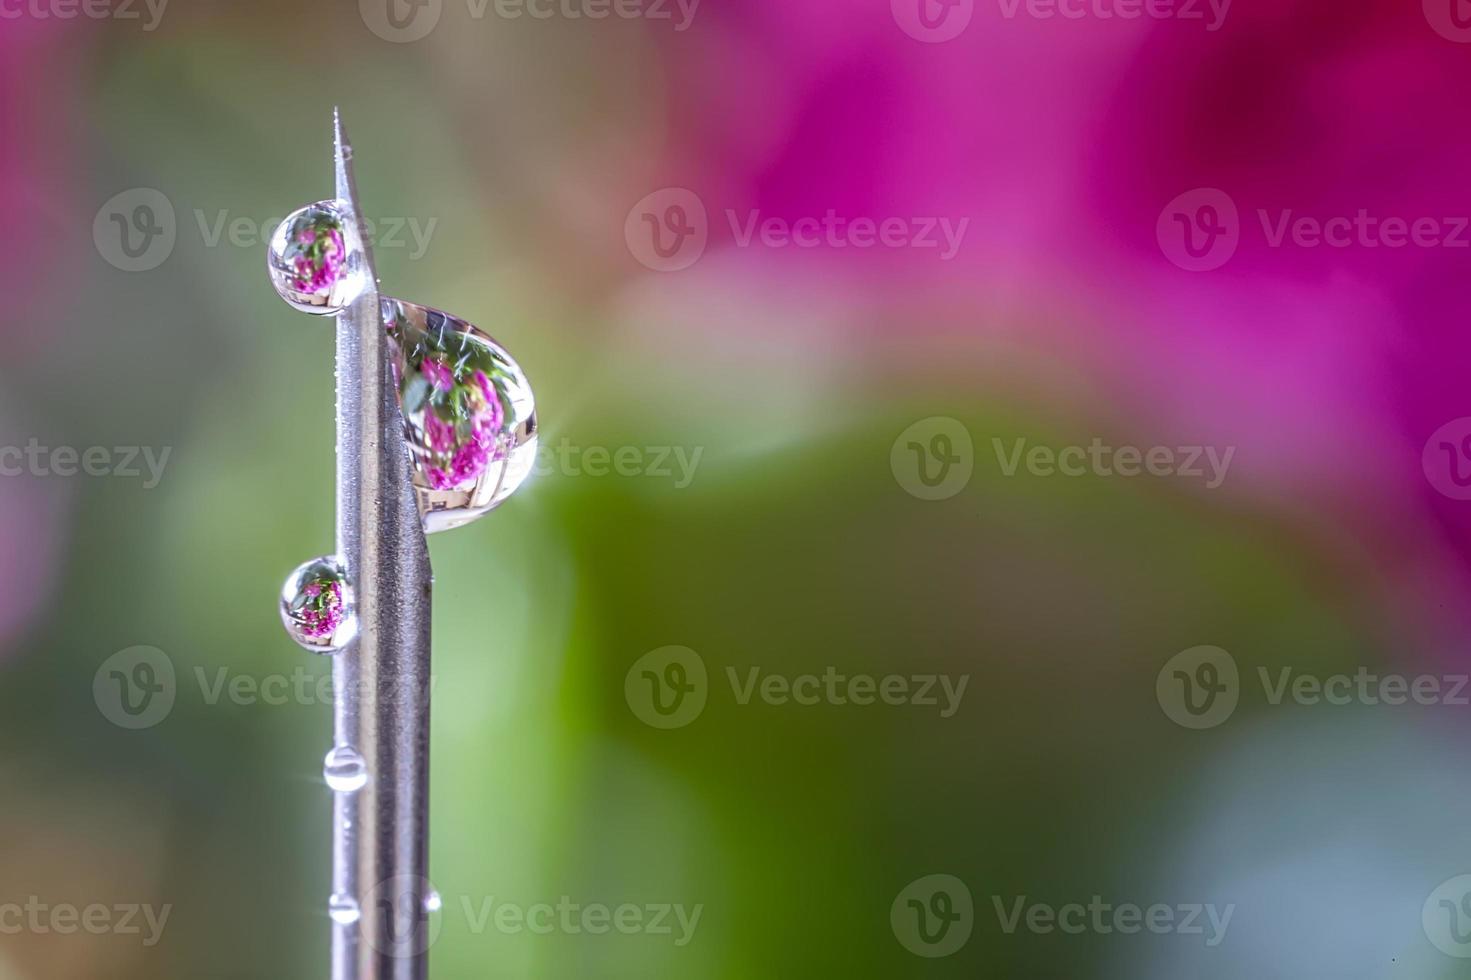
(381, 709)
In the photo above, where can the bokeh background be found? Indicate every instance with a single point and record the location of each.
(537, 156)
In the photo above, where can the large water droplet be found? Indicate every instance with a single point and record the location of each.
(316, 259)
(317, 606)
(343, 909)
(344, 770)
(469, 415)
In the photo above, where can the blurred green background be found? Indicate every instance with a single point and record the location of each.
(520, 148)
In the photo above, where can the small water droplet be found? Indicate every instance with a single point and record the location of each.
(432, 901)
(317, 606)
(345, 770)
(343, 909)
(469, 415)
(316, 259)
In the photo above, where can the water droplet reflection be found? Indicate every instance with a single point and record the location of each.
(469, 415)
(343, 909)
(344, 770)
(316, 259)
(317, 606)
